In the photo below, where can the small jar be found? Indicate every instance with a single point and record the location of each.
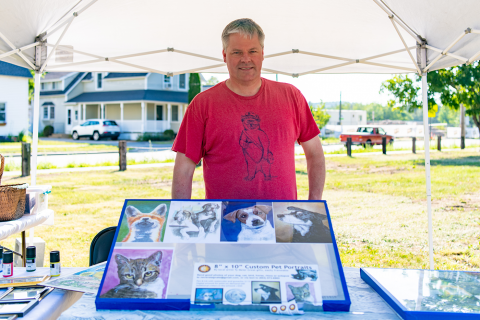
(31, 259)
(55, 263)
(7, 264)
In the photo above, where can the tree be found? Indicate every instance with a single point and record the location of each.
(212, 81)
(452, 87)
(320, 115)
(194, 86)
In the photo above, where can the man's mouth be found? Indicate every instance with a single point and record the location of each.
(246, 68)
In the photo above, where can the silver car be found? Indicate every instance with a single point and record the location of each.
(96, 129)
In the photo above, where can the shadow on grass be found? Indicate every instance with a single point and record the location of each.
(473, 161)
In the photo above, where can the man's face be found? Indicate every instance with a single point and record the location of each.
(244, 58)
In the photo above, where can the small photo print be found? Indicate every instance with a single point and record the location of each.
(208, 295)
(301, 222)
(301, 292)
(248, 222)
(192, 221)
(266, 292)
(143, 221)
(301, 274)
(138, 274)
(235, 296)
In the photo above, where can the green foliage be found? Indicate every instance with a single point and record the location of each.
(320, 115)
(47, 131)
(194, 86)
(24, 137)
(167, 135)
(31, 85)
(383, 112)
(212, 81)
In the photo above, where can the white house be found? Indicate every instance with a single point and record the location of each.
(13, 99)
(139, 102)
(349, 117)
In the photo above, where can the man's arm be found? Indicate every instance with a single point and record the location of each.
(182, 177)
(315, 167)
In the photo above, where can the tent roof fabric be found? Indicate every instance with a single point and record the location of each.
(8, 69)
(308, 36)
(132, 95)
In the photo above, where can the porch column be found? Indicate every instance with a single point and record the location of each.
(143, 116)
(180, 113)
(84, 106)
(102, 111)
(121, 112)
(169, 116)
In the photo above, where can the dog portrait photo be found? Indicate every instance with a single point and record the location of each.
(301, 222)
(301, 292)
(208, 295)
(193, 221)
(138, 274)
(248, 222)
(143, 221)
(266, 292)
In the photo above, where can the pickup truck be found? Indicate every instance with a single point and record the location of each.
(366, 136)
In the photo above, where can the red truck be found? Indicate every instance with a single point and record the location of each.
(366, 136)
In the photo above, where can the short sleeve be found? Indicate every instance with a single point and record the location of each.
(308, 128)
(190, 136)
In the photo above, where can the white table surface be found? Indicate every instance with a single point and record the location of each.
(28, 221)
(366, 304)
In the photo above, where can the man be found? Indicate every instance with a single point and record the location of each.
(245, 130)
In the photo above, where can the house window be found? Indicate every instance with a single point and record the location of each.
(52, 112)
(99, 81)
(159, 113)
(174, 113)
(45, 113)
(3, 113)
(69, 116)
(360, 118)
(167, 79)
(53, 85)
(43, 86)
(76, 115)
(181, 81)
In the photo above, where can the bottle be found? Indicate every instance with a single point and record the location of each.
(7, 264)
(31, 259)
(1, 259)
(54, 263)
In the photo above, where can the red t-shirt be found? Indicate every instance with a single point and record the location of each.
(247, 143)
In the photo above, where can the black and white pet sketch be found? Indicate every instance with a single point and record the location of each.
(308, 226)
(268, 294)
(304, 274)
(193, 222)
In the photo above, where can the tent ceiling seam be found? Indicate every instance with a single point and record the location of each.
(9, 53)
(445, 51)
(56, 45)
(19, 53)
(406, 47)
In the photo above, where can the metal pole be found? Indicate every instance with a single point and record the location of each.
(414, 145)
(36, 112)
(349, 146)
(462, 126)
(384, 145)
(426, 142)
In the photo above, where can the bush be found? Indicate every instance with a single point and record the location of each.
(48, 131)
(167, 135)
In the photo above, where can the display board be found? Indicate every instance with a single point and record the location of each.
(427, 294)
(223, 255)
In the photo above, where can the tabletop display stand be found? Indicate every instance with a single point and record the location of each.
(243, 255)
(427, 294)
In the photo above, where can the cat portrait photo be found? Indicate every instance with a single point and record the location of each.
(301, 292)
(208, 295)
(301, 222)
(135, 273)
(143, 221)
(266, 292)
(193, 222)
(247, 221)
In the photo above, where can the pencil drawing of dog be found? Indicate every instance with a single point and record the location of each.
(190, 223)
(308, 226)
(268, 294)
(145, 227)
(255, 226)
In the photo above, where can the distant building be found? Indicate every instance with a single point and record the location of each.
(349, 117)
(13, 99)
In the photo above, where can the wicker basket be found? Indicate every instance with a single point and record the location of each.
(12, 198)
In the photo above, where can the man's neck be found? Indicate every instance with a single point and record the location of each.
(244, 89)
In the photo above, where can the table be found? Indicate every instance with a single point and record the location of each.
(366, 304)
(28, 221)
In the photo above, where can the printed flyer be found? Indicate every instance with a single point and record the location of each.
(243, 284)
(87, 280)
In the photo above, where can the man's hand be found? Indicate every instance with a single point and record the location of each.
(182, 177)
(315, 167)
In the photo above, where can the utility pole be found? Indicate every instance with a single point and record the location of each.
(373, 115)
(340, 113)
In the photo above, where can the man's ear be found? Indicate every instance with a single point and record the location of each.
(224, 54)
(232, 216)
(264, 209)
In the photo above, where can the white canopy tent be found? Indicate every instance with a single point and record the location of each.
(302, 37)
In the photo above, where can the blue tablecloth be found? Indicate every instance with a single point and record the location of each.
(366, 304)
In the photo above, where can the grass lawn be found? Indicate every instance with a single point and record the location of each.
(377, 204)
(55, 146)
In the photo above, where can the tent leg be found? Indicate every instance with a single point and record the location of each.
(36, 113)
(427, 167)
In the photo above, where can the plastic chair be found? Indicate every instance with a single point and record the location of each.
(101, 244)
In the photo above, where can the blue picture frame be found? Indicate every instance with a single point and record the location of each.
(401, 308)
(184, 304)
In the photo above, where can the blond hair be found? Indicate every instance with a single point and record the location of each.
(246, 27)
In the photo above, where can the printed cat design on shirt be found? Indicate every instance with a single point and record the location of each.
(256, 147)
(139, 278)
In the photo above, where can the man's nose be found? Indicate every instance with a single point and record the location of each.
(245, 58)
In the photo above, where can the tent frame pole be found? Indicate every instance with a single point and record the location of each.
(426, 141)
(36, 115)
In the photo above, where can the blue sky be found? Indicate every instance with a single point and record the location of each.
(363, 88)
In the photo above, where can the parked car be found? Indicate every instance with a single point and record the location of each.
(96, 129)
(366, 136)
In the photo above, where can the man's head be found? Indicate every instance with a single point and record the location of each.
(243, 50)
